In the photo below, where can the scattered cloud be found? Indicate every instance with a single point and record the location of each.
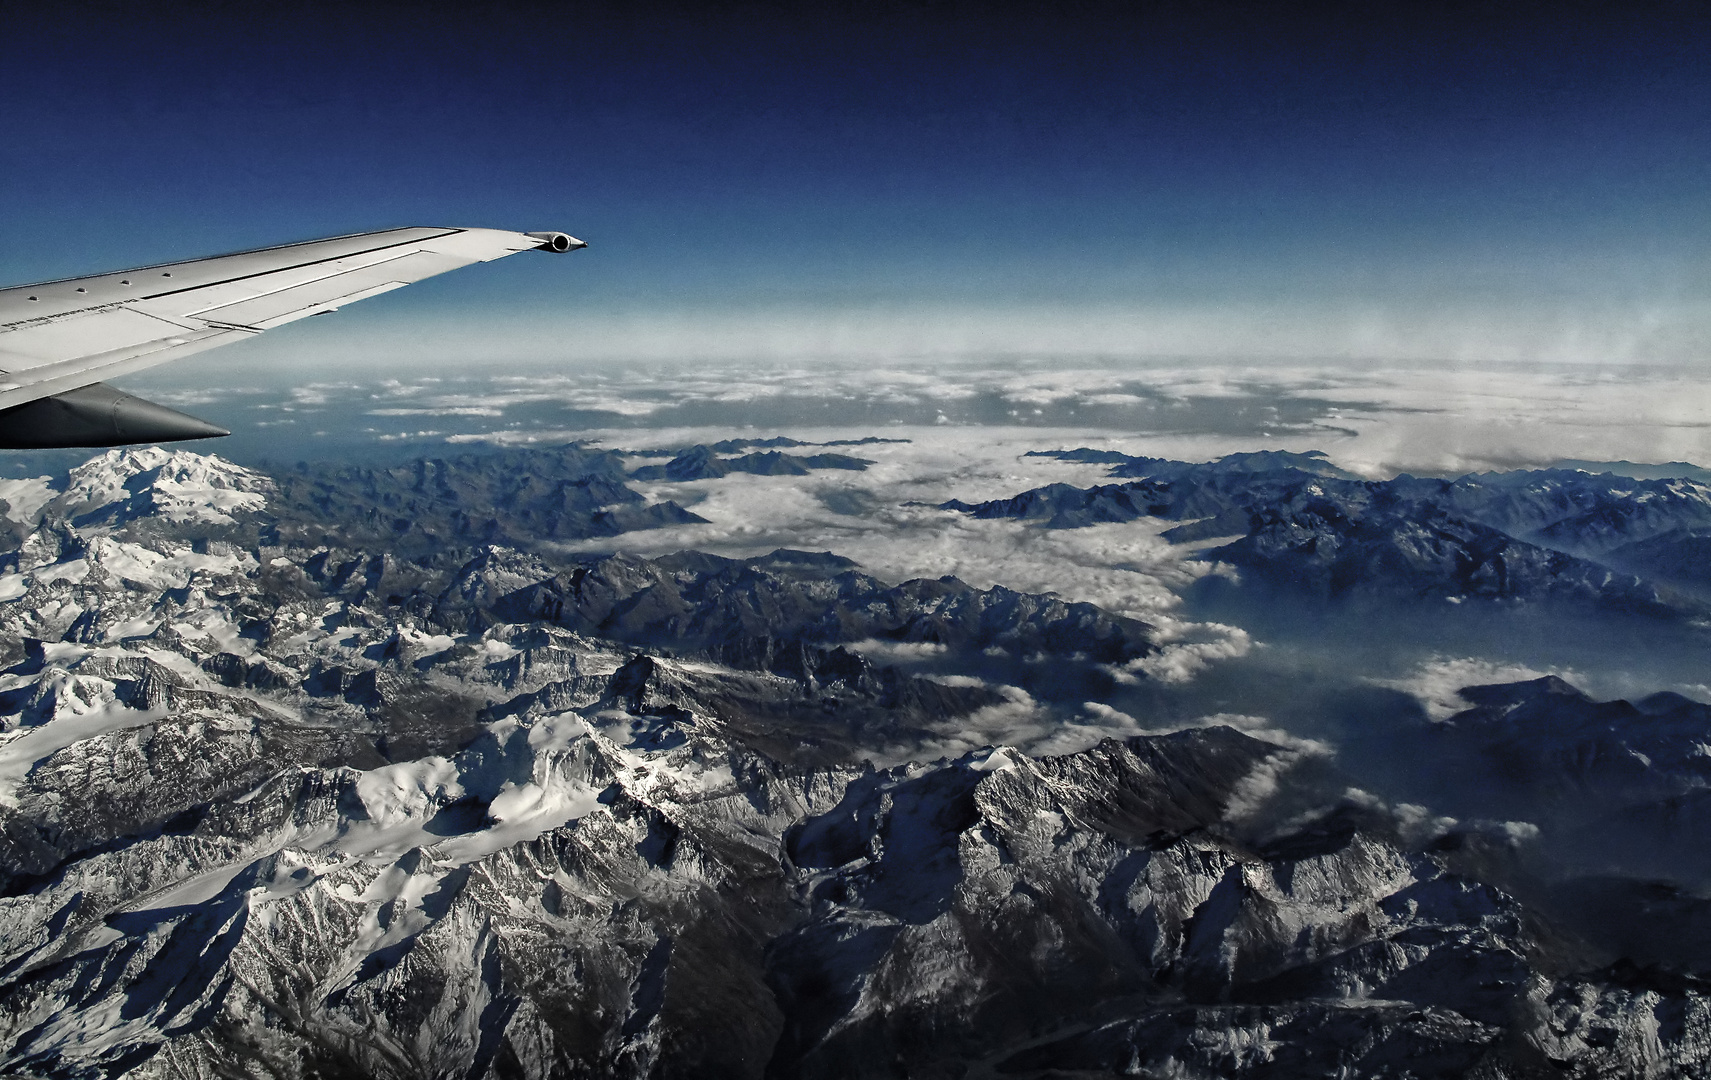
(1021, 722)
(441, 410)
(893, 652)
(1179, 662)
(1124, 567)
(1435, 682)
(1378, 418)
(1253, 797)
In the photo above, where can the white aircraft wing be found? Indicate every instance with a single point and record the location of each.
(60, 339)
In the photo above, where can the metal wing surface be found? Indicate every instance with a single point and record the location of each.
(60, 339)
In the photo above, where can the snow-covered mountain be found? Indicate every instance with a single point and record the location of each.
(125, 486)
(278, 808)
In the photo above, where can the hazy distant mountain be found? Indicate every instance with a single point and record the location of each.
(707, 462)
(1666, 471)
(1298, 523)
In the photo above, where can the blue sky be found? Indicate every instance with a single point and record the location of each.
(954, 177)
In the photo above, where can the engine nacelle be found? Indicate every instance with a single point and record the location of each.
(557, 241)
(97, 415)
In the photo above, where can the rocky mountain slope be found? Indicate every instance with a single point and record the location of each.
(278, 808)
(514, 497)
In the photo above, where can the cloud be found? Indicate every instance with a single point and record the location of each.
(190, 397)
(1179, 662)
(1017, 721)
(1021, 722)
(320, 393)
(1124, 567)
(1435, 682)
(441, 410)
(899, 651)
(1378, 418)
(1418, 826)
(492, 395)
(1454, 419)
(1251, 801)
(1257, 727)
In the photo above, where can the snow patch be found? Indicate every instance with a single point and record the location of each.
(78, 718)
(522, 812)
(26, 498)
(395, 794)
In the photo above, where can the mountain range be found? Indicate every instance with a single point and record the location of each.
(345, 773)
(1298, 523)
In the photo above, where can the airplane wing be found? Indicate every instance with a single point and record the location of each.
(60, 339)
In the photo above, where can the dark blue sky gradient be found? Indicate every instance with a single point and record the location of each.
(1548, 160)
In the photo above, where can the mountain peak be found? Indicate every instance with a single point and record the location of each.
(1500, 695)
(122, 485)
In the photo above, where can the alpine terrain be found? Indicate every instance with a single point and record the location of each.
(362, 772)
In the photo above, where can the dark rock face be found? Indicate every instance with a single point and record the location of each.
(763, 612)
(513, 497)
(1545, 741)
(1313, 463)
(1061, 506)
(270, 809)
(1611, 781)
(1367, 543)
(702, 463)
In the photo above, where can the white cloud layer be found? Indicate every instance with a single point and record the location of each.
(1435, 682)
(1377, 418)
(1126, 568)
